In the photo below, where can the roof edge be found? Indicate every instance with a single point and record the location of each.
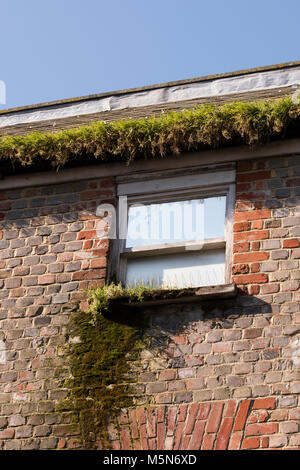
(150, 87)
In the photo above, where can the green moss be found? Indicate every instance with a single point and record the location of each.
(104, 341)
(207, 126)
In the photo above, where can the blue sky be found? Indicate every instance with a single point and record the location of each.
(56, 49)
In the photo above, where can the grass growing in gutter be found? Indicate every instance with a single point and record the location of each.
(104, 342)
(207, 126)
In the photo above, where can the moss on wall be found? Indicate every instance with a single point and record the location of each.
(103, 342)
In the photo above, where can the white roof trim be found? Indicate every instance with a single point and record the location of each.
(202, 89)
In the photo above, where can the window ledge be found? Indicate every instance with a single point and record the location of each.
(194, 294)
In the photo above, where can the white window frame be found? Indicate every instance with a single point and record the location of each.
(178, 185)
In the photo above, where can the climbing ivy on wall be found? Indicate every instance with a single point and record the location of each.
(206, 126)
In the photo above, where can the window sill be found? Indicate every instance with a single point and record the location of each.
(171, 296)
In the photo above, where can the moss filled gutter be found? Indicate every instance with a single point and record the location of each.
(206, 126)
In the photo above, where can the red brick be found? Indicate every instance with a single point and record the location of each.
(194, 384)
(204, 411)
(291, 243)
(95, 194)
(264, 403)
(208, 442)
(160, 436)
(222, 346)
(179, 339)
(108, 183)
(257, 225)
(163, 398)
(134, 424)
(136, 445)
(259, 429)
(250, 443)
(251, 257)
(89, 274)
(178, 435)
(196, 439)
(241, 226)
(241, 415)
(241, 247)
(258, 416)
(185, 442)
(240, 187)
(235, 440)
(87, 235)
(171, 420)
(224, 434)
(161, 413)
(99, 252)
(252, 215)
(168, 374)
(254, 290)
(151, 422)
(125, 439)
(87, 245)
(264, 443)
(182, 412)
(46, 279)
(98, 263)
(144, 440)
(7, 434)
(123, 417)
(253, 176)
(243, 206)
(252, 235)
(141, 415)
(255, 267)
(215, 417)
(193, 410)
(240, 269)
(230, 409)
(255, 246)
(115, 445)
(251, 279)
(251, 195)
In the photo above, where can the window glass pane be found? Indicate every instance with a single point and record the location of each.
(179, 221)
(178, 270)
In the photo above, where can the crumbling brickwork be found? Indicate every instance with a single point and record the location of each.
(231, 425)
(221, 374)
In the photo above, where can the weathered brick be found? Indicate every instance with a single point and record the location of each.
(251, 279)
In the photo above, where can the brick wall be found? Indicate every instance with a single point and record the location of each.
(220, 374)
(220, 425)
(49, 252)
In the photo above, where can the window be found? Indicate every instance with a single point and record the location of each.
(176, 228)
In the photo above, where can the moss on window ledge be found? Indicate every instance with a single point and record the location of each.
(190, 294)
